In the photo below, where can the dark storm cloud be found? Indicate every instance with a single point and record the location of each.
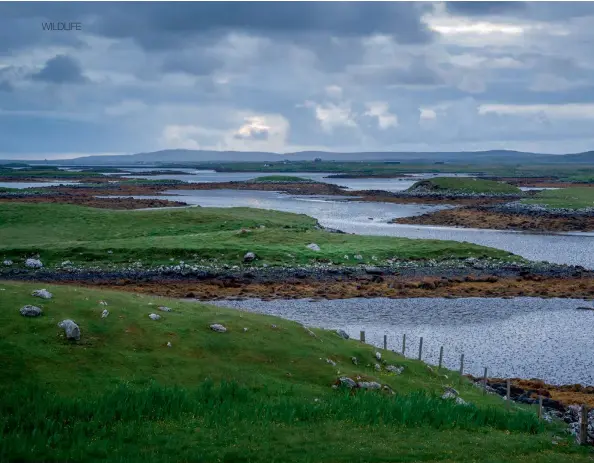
(60, 69)
(543, 11)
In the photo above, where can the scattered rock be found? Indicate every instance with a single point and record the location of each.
(169, 344)
(378, 367)
(102, 303)
(313, 247)
(33, 263)
(358, 257)
(162, 308)
(245, 330)
(347, 382)
(355, 360)
(42, 293)
(218, 328)
(7, 262)
(71, 329)
(249, 257)
(31, 311)
(105, 313)
(154, 316)
(395, 369)
(450, 393)
(343, 334)
(369, 385)
(331, 362)
(378, 355)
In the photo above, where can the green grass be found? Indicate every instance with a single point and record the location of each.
(64, 232)
(121, 395)
(281, 179)
(45, 173)
(466, 185)
(567, 198)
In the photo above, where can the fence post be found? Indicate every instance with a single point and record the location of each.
(421, 348)
(440, 356)
(539, 407)
(461, 366)
(403, 343)
(362, 336)
(508, 404)
(385, 342)
(584, 425)
(485, 382)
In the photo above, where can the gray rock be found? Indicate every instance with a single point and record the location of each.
(355, 360)
(31, 311)
(33, 263)
(249, 257)
(218, 328)
(313, 247)
(450, 393)
(71, 329)
(245, 330)
(378, 367)
(374, 270)
(378, 355)
(347, 382)
(7, 262)
(395, 369)
(331, 362)
(168, 344)
(343, 334)
(154, 316)
(369, 385)
(66, 263)
(42, 293)
(461, 401)
(105, 313)
(358, 257)
(162, 308)
(102, 303)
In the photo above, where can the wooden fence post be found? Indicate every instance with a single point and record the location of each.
(461, 366)
(508, 404)
(421, 348)
(403, 343)
(584, 425)
(385, 342)
(440, 356)
(362, 336)
(539, 407)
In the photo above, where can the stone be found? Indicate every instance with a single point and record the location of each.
(66, 263)
(102, 303)
(105, 313)
(245, 330)
(7, 262)
(31, 311)
(331, 362)
(395, 369)
(71, 329)
(461, 401)
(378, 367)
(369, 385)
(218, 328)
(169, 344)
(249, 257)
(162, 308)
(358, 257)
(154, 316)
(33, 263)
(347, 382)
(378, 355)
(313, 247)
(42, 293)
(355, 360)
(343, 334)
(450, 393)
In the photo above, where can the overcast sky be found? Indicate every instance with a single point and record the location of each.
(287, 77)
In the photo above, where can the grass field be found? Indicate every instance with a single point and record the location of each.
(567, 198)
(466, 185)
(261, 395)
(85, 235)
(44, 173)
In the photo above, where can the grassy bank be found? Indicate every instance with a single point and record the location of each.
(120, 394)
(464, 185)
(60, 232)
(566, 198)
(281, 179)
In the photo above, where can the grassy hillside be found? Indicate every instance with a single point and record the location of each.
(465, 185)
(85, 235)
(281, 179)
(567, 198)
(120, 394)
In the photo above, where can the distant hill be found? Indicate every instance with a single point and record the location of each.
(201, 156)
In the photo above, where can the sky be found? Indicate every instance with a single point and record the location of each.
(285, 77)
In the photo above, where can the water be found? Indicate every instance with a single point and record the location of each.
(520, 337)
(386, 184)
(354, 217)
(21, 185)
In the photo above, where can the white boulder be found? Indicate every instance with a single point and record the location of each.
(31, 311)
(42, 293)
(313, 247)
(33, 263)
(218, 328)
(71, 329)
(154, 316)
